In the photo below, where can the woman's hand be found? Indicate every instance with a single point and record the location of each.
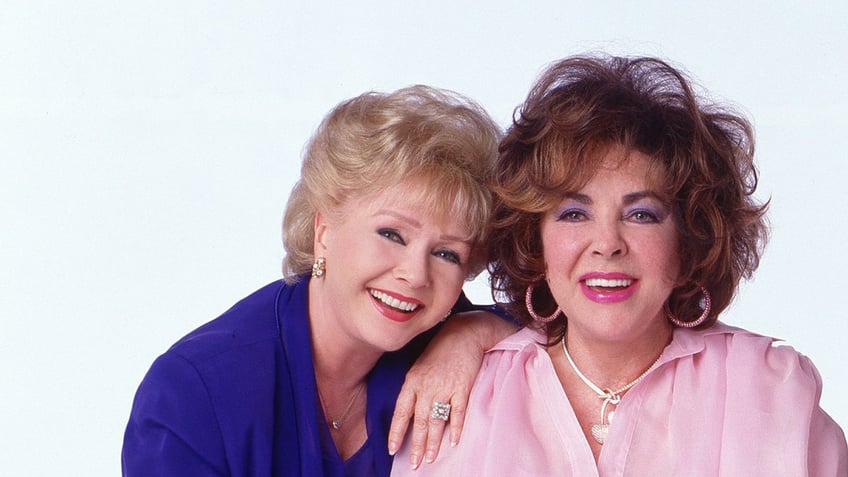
(444, 372)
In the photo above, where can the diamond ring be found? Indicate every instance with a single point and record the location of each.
(440, 411)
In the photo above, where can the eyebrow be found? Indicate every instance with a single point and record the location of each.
(399, 216)
(643, 194)
(415, 223)
(628, 198)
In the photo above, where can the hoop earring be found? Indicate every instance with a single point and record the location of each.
(706, 305)
(319, 266)
(528, 302)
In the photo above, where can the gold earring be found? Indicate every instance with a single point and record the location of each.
(319, 266)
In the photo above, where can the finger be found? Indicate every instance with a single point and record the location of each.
(457, 418)
(400, 420)
(435, 432)
(420, 429)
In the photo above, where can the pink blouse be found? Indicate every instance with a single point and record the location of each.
(722, 401)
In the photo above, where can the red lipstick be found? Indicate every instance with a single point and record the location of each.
(395, 306)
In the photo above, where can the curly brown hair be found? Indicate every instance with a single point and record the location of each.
(579, 109)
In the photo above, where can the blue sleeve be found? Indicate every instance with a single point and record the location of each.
(464, 304)
(501, 312)
(173, 429)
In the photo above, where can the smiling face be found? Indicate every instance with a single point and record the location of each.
(393, 269)
(611, 251)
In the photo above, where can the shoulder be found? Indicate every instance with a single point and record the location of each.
(516, 373)
(235, 359)
(752, 378)
(741, 344)
(525, 340)
(222, 381)
(763, 360)
(517, 358)
(233, 347)
(250, 321)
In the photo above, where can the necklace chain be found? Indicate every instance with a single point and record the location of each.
(599, 431)
(336, 424)
(606, 392)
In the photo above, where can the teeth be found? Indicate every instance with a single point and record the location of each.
(608, 282)
(392, 301)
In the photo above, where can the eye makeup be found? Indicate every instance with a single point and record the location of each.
(643, 206)
(647, 211)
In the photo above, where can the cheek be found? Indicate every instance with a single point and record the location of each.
(673, 267)
(560, 253)
(449, 279)
(663, 255)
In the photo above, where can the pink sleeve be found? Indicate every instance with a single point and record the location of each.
(796, 388)
(828, 451)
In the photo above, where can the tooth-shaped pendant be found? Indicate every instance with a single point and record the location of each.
(599, 432)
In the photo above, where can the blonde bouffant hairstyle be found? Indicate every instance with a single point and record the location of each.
(379, 140)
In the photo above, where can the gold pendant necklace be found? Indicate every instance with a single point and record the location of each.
(600, 431)
(336, 424)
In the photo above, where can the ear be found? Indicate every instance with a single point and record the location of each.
(319, 245)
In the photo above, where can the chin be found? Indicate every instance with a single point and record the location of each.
(389, 344)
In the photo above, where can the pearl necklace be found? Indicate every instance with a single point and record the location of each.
(600, 431)
(336, 424)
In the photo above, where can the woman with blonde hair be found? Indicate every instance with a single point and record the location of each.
(300, 378)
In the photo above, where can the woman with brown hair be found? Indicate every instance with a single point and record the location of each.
(624, 222)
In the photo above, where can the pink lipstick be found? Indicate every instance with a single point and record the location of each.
(608, 287)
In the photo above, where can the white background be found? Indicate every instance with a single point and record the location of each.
(147, 150)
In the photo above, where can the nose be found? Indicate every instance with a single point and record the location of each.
(609, 241)
(414, 268)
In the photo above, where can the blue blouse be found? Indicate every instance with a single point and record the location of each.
(237, 397)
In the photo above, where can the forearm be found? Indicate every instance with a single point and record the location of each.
(479, 327)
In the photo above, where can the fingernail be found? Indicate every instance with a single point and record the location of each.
(454, 443)
(392, 448)
(416, 461)
(431, 456)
